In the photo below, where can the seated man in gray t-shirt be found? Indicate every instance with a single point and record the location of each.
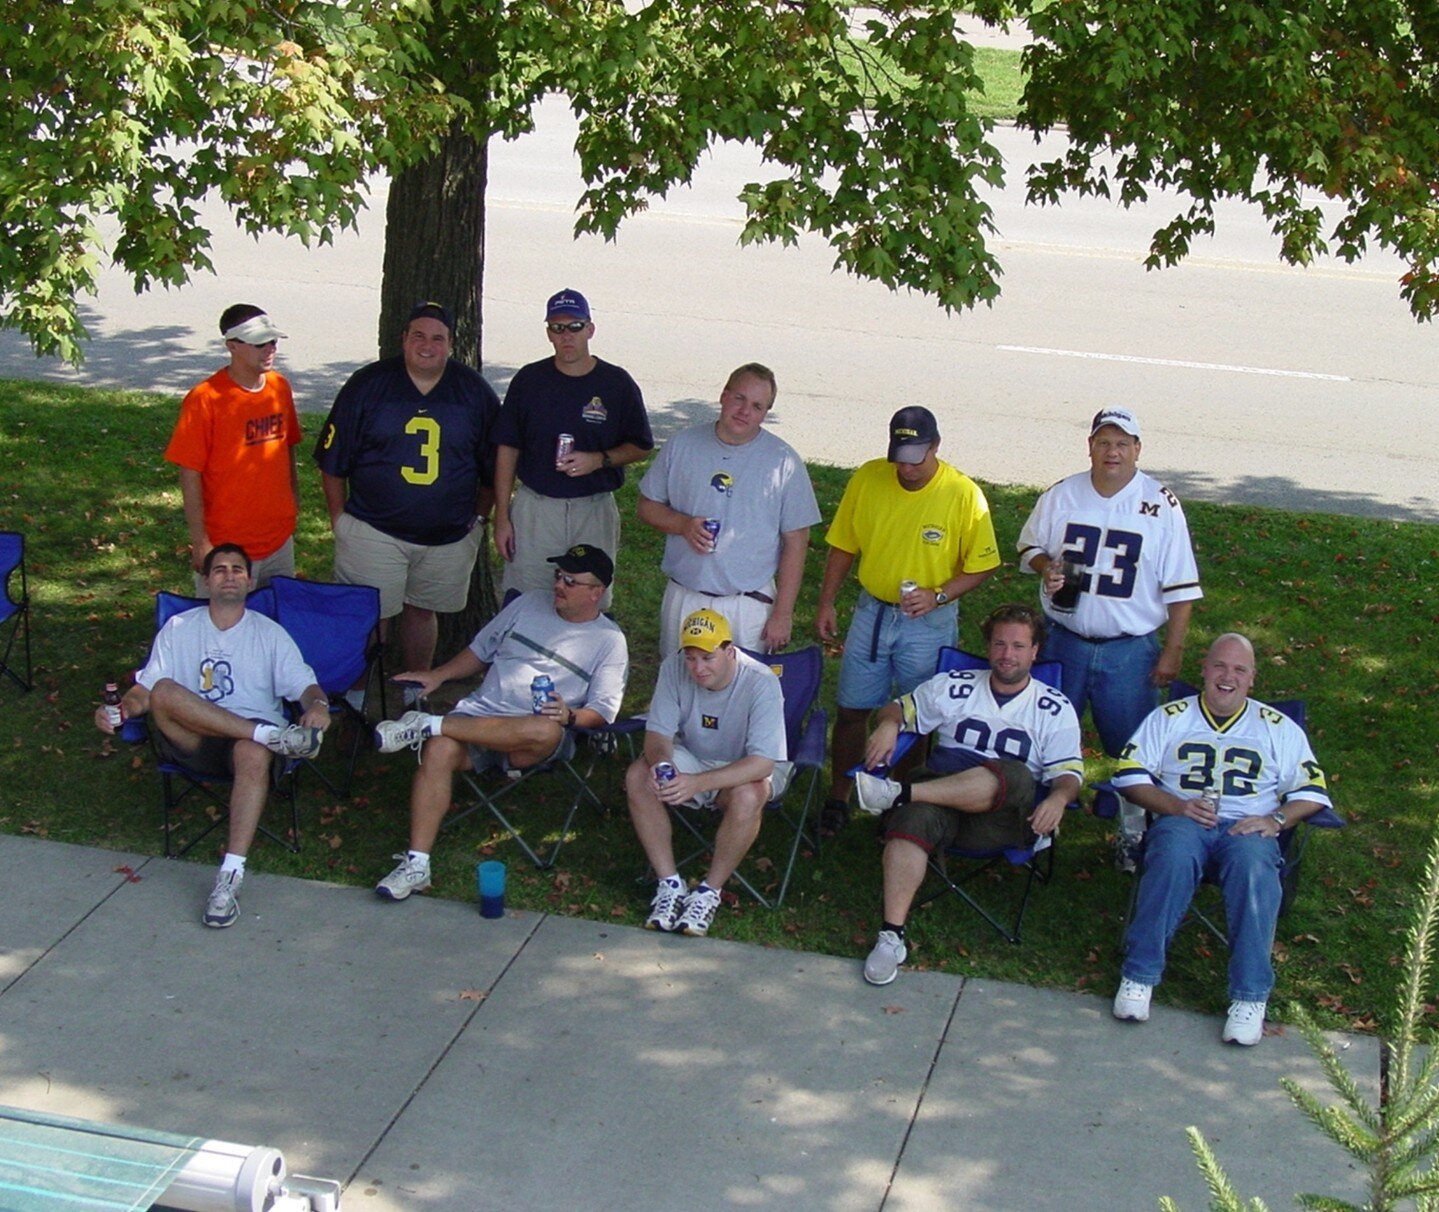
(561, 635)
(714, 738)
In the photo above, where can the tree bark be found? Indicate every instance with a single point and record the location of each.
(435, 252)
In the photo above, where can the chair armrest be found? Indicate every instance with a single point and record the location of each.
(625, 727)
(810, 751)
(902, 745)
(135, 730)
(1325, 818)
(1106, 801)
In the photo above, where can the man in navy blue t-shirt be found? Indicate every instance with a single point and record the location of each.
(406, 459)
(566, 497)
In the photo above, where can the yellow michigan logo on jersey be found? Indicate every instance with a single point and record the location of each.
(709, 721)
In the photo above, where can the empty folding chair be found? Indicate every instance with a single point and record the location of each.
(14, 607)
(337, 630)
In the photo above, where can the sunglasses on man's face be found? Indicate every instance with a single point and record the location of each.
(570, 582)
(557, 326)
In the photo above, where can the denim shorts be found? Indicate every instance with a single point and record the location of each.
(887, 655)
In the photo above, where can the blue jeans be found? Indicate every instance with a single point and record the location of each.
(1178, 852)
(1111, 677)
(887, 654)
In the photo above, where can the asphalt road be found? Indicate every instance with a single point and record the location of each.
(1309, 389)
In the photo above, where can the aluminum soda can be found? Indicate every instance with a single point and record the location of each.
(712, 528)
(564, 444)
(907, 587)
(1210, 796)
(540, 690)
(665, 772)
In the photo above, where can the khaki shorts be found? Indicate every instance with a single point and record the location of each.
(746, 617)
(933, 827)
(686, 763)
(432, 578)
(550, 526)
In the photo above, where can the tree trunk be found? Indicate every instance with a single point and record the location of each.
(435, 252)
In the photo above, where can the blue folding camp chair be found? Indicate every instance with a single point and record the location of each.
(14, 610)
(179, 785)
(1035, 862)
(1293, 843)
(806, 726)
(337, 630)
(575, 762)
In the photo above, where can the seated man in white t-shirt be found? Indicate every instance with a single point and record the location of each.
(560, 635)
(715, 738)
(213, 688)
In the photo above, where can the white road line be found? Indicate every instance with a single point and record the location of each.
(1239, 370)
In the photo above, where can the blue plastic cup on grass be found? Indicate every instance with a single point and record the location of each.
(491, 879)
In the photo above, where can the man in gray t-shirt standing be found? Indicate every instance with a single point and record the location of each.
(756, 487)
(714, 738)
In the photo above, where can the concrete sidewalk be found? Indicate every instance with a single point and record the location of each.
(431, 1059)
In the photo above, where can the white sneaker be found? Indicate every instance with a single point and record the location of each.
(410, 731)
(666, 908)
(296, 741)
(883, 963)
(1132, 1001)
(222, 909)
(699, 912)
(876, 795)
(410, 876)
(1245, 1024)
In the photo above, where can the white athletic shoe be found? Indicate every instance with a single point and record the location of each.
(1132, 1001)
(410, 876)
(410, 731)
(883, 963)
(699, 912)
(876, 795)
(296, 741)
(1245, 1024)
(222, 909)
(666, 908)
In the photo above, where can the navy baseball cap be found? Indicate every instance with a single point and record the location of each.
(584, 557)
(568, 303)
(432, 311)
(912, 431)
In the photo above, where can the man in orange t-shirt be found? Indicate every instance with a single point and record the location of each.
(235, 447)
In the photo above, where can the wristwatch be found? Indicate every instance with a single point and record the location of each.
(605, 460)
(940, 597)
(1278, 815)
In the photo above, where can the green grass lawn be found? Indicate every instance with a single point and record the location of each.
(1341, 609)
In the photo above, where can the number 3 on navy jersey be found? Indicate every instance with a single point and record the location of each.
(429, 470)
(1082, 544)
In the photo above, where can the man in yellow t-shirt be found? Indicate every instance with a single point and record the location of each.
(908, 517)
(234, 444)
